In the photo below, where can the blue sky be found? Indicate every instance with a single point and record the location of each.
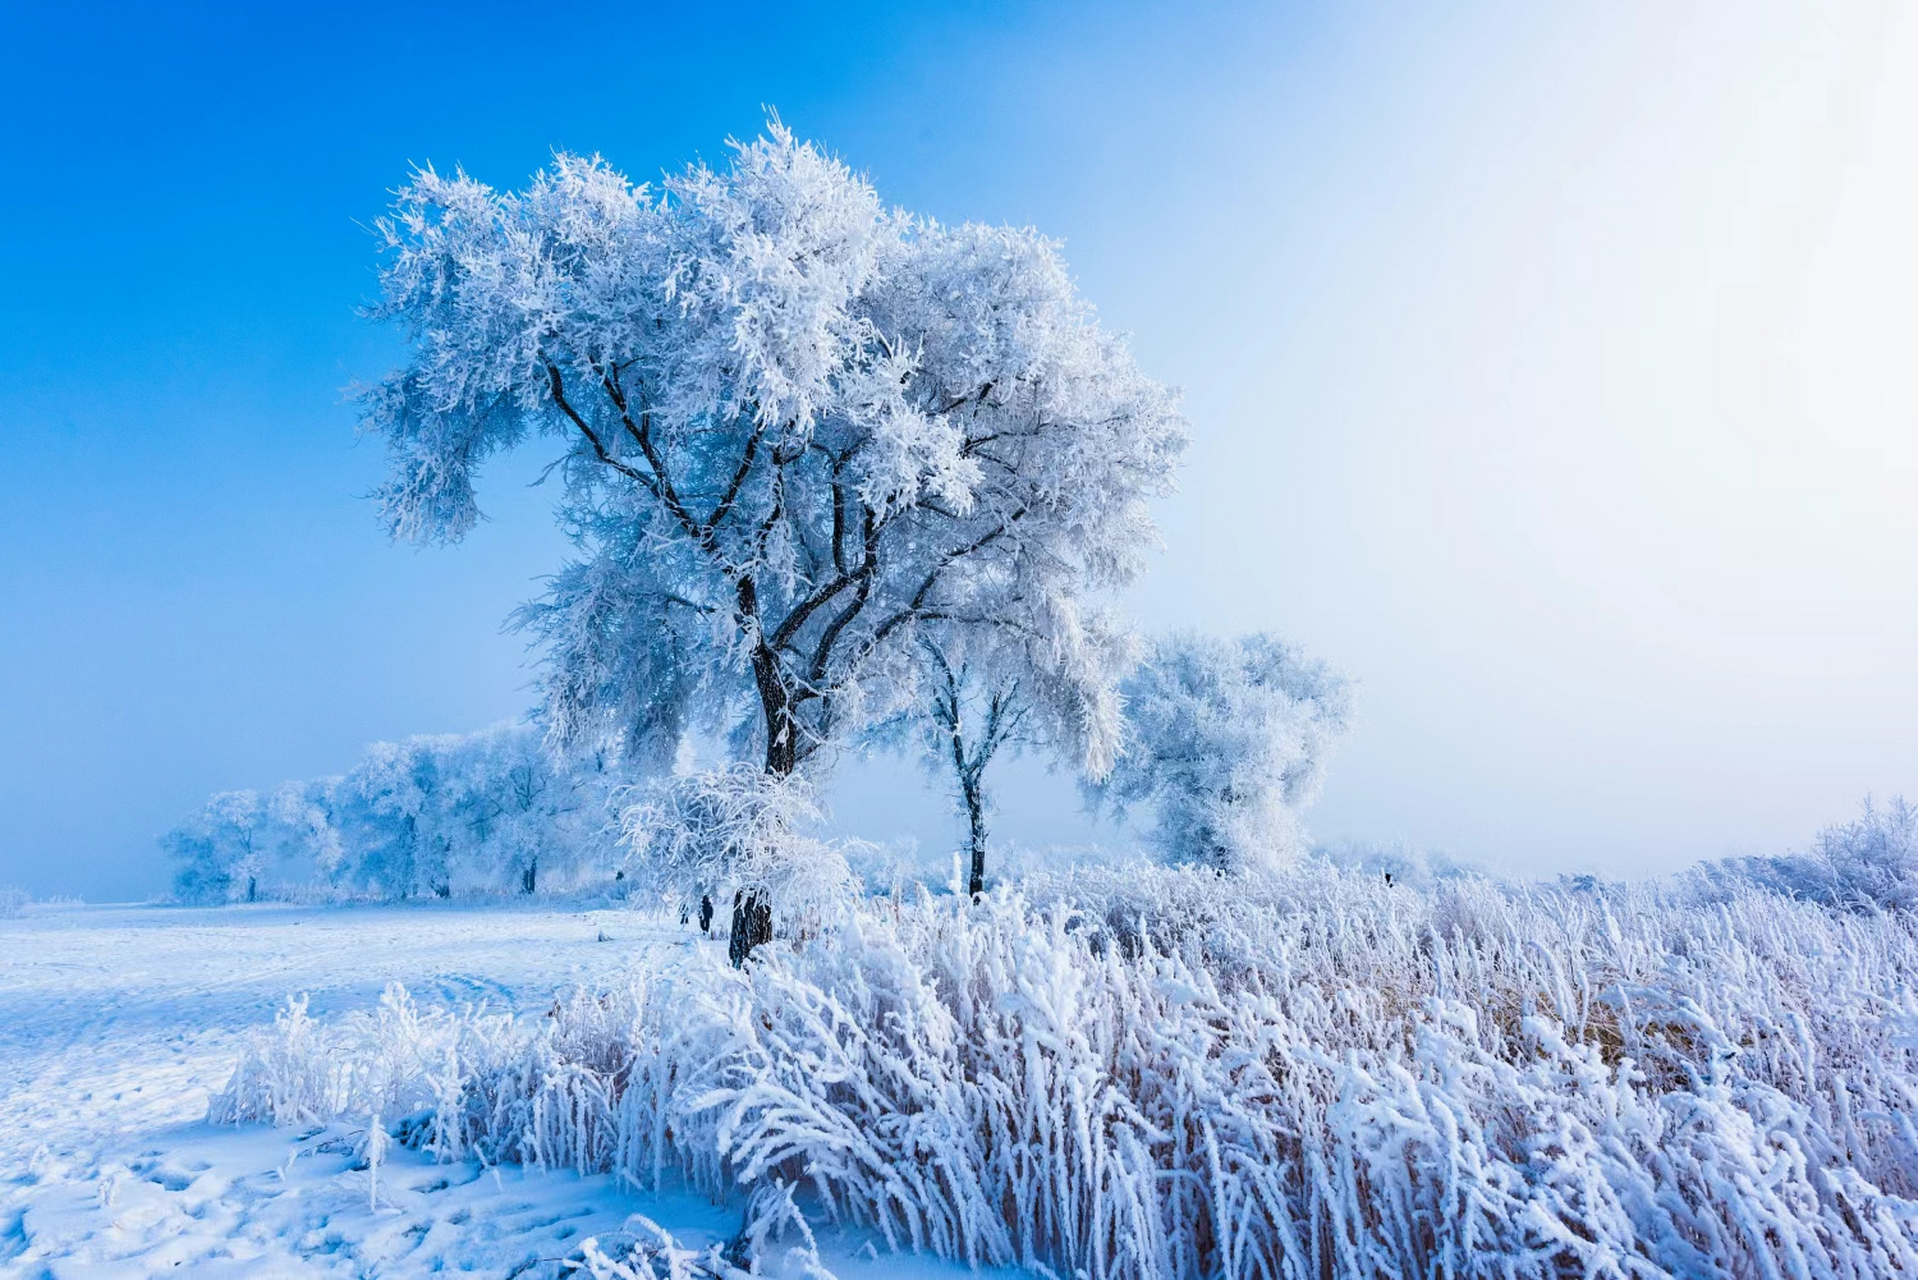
(1546, 371)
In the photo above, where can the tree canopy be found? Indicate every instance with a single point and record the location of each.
(799, 434)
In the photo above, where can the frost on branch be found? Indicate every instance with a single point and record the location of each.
(798, 433)
(1228, 739)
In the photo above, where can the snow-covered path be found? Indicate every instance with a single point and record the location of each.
(116, 1022)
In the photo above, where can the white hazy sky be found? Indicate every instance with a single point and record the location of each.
(1550, 371)
(1554, 374)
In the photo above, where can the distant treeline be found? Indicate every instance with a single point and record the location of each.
(433, 816)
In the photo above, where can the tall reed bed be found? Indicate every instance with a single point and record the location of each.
(1164, 1074)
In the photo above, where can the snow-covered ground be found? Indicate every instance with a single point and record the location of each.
(117, 1022)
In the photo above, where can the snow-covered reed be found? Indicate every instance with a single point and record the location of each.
(1165, 1074)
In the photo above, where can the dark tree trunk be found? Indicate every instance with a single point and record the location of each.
(752, 926)
(705, 912)
(976, 811)
(252, 889)
(529, 879)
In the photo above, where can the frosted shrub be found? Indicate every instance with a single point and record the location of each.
(1872, 860)
(714, 835)
(1868, 864)
(13, 900)
(398, 1065)
(1316, 1075)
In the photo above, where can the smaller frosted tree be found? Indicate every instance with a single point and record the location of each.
(964, 719)
(388, 813)
(519, 813)
(490, 811)
(1228, 740)
(219, 850)
(242, 846)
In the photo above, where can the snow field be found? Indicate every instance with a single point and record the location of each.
(1116, 1073)
(1307, 1074)
(117, 1023)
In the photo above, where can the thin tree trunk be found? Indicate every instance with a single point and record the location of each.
(976, 811)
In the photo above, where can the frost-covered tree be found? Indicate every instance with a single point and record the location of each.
(798, 434)
(242, 846)
(218, 850)
(1228, 740)
(392, 815)
(486, 811)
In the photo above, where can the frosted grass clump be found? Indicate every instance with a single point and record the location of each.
(1312, 1075)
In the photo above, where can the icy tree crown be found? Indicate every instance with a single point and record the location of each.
(799, 433)
(1229, 740)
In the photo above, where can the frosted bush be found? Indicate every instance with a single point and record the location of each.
(709, 836)
(397, 1062)
(1868, 864)
(1312, 1075)
(1873, 859)
(13, 900)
